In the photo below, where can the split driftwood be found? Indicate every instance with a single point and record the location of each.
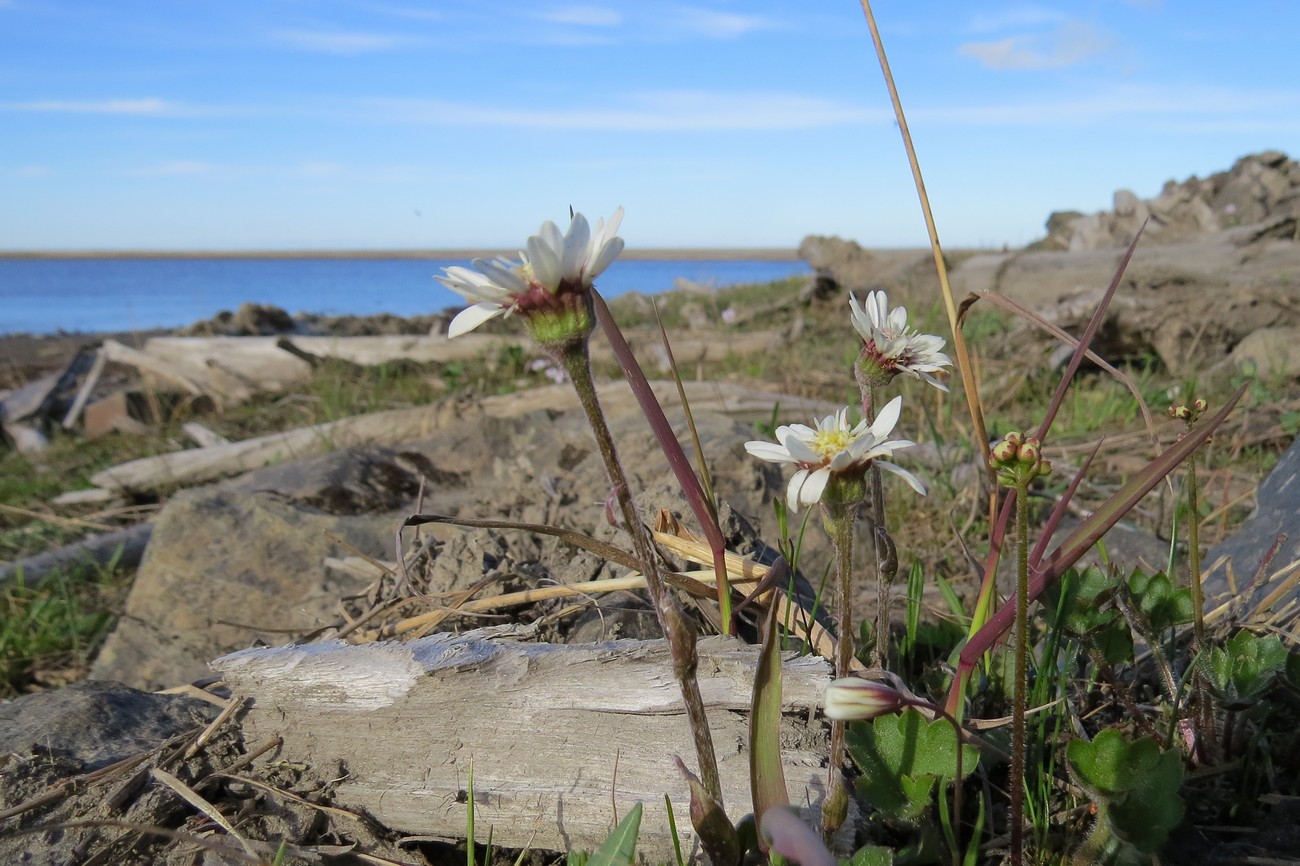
(264, 363)
(563, 740)
(124, 547)
(198, 465)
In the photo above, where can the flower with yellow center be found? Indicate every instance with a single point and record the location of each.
(834, 448)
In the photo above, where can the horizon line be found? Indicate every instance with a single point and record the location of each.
(635, 253)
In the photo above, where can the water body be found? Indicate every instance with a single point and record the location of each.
(48, 295)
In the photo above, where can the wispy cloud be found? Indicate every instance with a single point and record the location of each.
(582, 16)
(1014, 18)
(1201, 109)
(1069, 44)
(662, 111)
(103, 106)
(718, 25)
(173, 168)
(341, 42)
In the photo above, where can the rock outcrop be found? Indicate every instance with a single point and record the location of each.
(1260, 188)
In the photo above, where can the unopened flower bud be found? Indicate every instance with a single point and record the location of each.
(1199, 405)
(1030, 452)
(1045, 467)
(853, 698)
(1004, 452)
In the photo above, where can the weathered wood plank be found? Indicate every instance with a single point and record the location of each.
(559, 736)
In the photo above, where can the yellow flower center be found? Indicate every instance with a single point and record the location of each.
(828, 443)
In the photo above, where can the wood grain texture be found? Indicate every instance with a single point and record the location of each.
(560, 736)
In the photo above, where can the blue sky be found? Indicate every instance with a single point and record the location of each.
(271, 124)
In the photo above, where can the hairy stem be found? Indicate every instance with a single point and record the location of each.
(1017, 782)
(679, 633)
(839, 524)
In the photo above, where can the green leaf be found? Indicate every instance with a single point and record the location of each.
(620, 845)
(901, 758)
(1079, 606)
(1243, 668)
(872, 855)
(766, 775)
(1164, 604)
(1134, 785)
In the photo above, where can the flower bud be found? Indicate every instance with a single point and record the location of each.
(854, 698)
(1003, 452)
(1030, 452)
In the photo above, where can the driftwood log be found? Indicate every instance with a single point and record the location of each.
(124, 547)
(197, 465)
(563, 739)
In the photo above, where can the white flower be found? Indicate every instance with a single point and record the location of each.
(891, 345)
(554, 263)
(832, 448)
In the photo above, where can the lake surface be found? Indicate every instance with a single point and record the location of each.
(47, 295)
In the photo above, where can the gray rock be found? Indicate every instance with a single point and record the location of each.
(225, 569)
(1276, 517)
(95, 724)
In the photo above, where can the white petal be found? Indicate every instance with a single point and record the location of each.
(841, 461)
(577, 248)
(768, 451)
(799, 431)
(815, 486)
(604, 258)
(887, 418)
(902, 473)
(861, 321)
(933, 381)
(878, 309)
(792, 490)
(471, 317)
(504, 273)
(800, 451)
(544, 257)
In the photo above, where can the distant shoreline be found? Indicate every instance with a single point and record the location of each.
(643, 254)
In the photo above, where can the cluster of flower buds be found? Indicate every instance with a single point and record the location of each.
(1018, 459)
(1188, 413)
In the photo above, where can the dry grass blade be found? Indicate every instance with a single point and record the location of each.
(964, 363)
(232, 706)
(292, 798)
(189, 795)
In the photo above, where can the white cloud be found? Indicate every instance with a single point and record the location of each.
(341, 42)
(583, 16)
(319, 168)
(1069, 44)
(719, 25)
(663, 111)
(1201, 109)
(173, 168)
(1017, 17)
(103, 106)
